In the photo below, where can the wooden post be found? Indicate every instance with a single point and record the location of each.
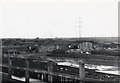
(27, 71)
(44, 77)
(10, 67)
(81, 71)
(50, 67)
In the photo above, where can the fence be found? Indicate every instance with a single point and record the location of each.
(49, 70)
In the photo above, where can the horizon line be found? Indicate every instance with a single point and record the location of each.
(55, 37)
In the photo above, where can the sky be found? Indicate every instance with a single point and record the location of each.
(51, 19)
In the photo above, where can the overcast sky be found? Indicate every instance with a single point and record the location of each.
(58, 19)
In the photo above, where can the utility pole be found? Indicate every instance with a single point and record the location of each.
(79, 27)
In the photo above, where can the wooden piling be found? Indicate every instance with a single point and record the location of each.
(81, 71)
(44, 77)
(10, 67)
(50, 67)
(27, 71)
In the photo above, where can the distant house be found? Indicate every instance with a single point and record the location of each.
(85, 46)
(47, 48)
(63, 46)
(82, 47)
(111, 46)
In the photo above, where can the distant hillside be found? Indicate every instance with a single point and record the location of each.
(15, 41)
(103, 39)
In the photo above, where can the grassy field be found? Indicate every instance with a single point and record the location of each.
(91, 58)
